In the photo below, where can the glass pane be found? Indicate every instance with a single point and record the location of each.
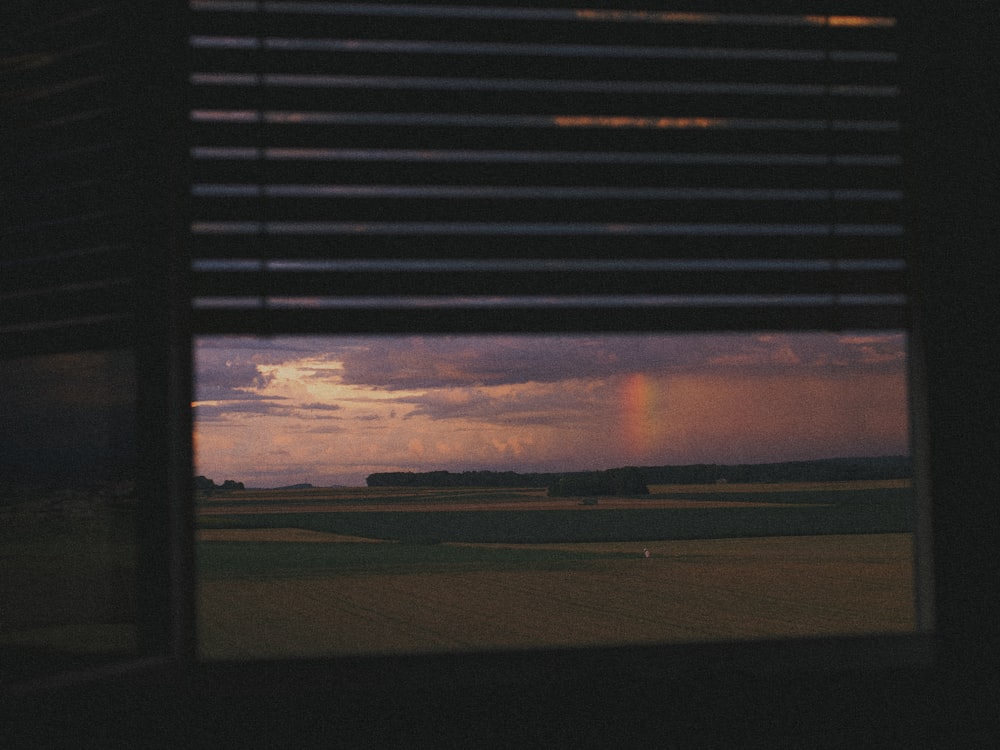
(67, 512)
(421, 494)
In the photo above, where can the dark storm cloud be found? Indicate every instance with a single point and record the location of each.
(320, 407)
(441, 362)
(272, 406)
(226, 374)
(249, 403)
(273, 349)
(431, 362)
(544, 404)
(226, 364)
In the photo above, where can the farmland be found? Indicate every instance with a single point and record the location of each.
(512, 516)
(321, 572)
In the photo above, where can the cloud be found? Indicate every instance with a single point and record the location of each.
(248, 404)
(227, 363)
(264, 406)
(222, 375)
(319, 407)
(429, 362)
(561, 404)
(755, 357)
(447, 362)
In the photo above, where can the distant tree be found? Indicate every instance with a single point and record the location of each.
(575, 485)
(204, 485)
(626, 481)
(888, 467)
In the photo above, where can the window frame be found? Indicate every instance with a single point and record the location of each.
(945, 660)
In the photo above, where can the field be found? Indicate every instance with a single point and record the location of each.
(355, 571)
(67, 587)
(513, 516)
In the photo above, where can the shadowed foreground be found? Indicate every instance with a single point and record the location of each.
(339, 598)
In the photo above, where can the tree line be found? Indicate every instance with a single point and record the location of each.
(820, 470)
(205, 486)
(626, 481)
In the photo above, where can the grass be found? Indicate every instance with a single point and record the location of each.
(68, 591)
(733, 511)
(413, 598)
(596, 524)
(221, 560)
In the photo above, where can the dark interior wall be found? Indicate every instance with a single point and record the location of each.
(954, 169)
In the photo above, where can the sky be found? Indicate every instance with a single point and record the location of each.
(277, 411)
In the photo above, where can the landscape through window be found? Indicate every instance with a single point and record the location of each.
(367, 495)
(69, 513)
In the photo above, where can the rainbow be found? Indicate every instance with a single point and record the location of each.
(638, 416)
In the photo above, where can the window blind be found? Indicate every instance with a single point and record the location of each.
(444, 167)
(69, 244)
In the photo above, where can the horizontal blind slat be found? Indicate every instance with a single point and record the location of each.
(408, 133)
(458, 283)
(610, 317)
(69, 258)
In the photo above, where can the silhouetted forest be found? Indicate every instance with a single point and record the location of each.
(627, 481)
(206, 486)
(821, 470)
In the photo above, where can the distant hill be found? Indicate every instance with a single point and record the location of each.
(820, 470)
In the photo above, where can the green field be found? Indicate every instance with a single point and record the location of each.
(528, 516)
(67, 589)
(324, 572)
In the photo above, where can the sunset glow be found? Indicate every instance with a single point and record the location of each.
(274, 412)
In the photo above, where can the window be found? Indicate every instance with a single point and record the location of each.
(409, 168)
(69, 513)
